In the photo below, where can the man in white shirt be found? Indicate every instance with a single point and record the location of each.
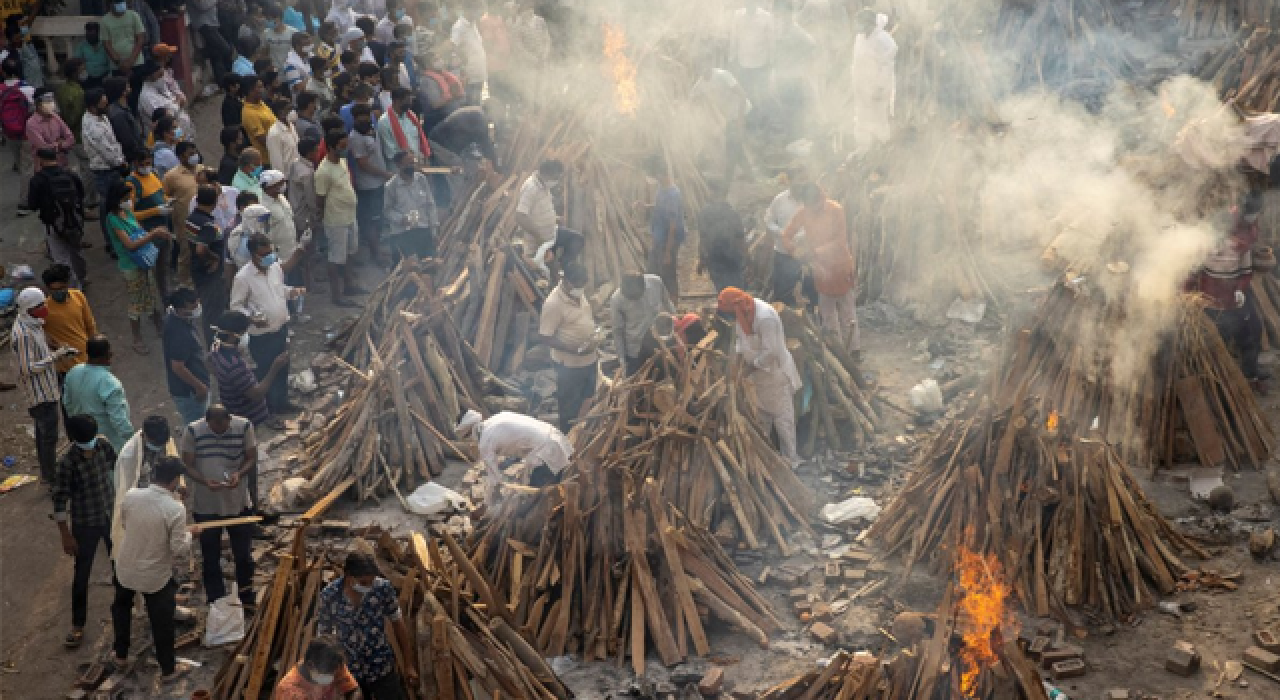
(154, 523)
(719, 90)
(475, 64)
(277, 35)
(536, 210)
(874, 82)
(751, 48)
(280, 228)
(568, 327)
(282, 138)
(259, 292)
(787, 271)
(544, 449)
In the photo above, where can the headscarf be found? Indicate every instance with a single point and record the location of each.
(740, 304)
(682, 323)
(470, 419)
(29, 298)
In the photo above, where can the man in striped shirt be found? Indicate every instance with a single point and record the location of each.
(238, 387)
(39, 375)
(221, 456)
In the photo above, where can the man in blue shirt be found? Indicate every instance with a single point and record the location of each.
(355, 609)
(666, 226)
(92, 389)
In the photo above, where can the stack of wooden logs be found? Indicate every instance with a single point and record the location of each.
(1247, 71)
(1064, 45)
(1189, 402)
(460, 645)
(411, 376)
(592, 566)
(1206, 19)
(1057, 506)
(1266, 293)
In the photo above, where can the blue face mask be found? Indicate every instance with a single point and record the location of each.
(256, 171)
(269, 24)
(399, 14)
(88, 445)
(270, 259)
(177, 133)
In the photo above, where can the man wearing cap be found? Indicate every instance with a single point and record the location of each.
(281, 229)
(355, 41)
(768, 366)
(38, 375)
(543, 448)
(124, 36)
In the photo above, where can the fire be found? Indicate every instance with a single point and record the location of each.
(982, 612)
(1052, 424)
(625, 96)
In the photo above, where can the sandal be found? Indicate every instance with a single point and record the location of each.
(73, 639)
(179, 670)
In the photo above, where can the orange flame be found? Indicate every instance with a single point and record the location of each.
(625, 96)
(1169, 110)
(1052, 424)
(982, 612)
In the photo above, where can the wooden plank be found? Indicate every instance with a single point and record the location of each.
(1195, 409)
(271, 618)
(657, 506)
(319, 508)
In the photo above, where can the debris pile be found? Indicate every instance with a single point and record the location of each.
(1247, 71)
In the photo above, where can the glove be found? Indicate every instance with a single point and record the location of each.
(1239, 299)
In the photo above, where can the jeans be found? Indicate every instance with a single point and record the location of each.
(45, 416)
(416, 241)
(388, 687)
(369, 215)
(264, 349)
(87, 538)
(1241, 330)
(217, 51)
(190, 408)
(211, 558)
(161, 607)
(68, 253)
(669, 272)
(102, 180)
(574, 385)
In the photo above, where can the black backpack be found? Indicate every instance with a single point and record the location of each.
(65, 215)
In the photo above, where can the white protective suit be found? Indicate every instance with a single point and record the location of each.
(874, 85)
(773, 375)
(509, 434)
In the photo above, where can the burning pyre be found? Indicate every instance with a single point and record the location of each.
(623, 71)
(983, 616)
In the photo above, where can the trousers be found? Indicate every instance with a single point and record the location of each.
(87, 539)
(68, 253)
(838, 313)
(776, 409)
(161, 607)
(389, 687)
(1241, 330)
(102, 180)
(574, 385)
(217, 51)
(211, 558)
(45, 416)
(264, 349)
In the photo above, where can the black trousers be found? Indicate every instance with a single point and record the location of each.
(369, 214)
(787, 272)
(574, 385)
(416, 241)
(45, 416)
(217, 50)
(726, 274)
(388, 687)
(161, 607)
(87, 539)
(211, 556)
(1241, 330)
(264, 349)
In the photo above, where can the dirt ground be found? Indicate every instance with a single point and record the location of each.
(35, 575)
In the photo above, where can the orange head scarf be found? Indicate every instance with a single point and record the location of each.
(740, 304)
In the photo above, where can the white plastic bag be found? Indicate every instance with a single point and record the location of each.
(225, 623)
(852, 509)
(432, 498)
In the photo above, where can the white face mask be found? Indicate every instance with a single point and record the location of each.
(576, 294)
(144, 171)
(362, 590)
(244, 342)
(127, 205)
(325, 679)
(193, 160)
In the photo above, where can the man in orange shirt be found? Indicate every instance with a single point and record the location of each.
(321, 675)
(827, 247)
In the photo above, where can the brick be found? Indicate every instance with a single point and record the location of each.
(1182, 662)
(1267, 640)
(1038, 647)
(823, 633)
(821, 611)
(1066, 653)
(801, 606)
(1116, 694)
(1262, 658)
(798, 594)
(854, 575)
(711, 683)
(1071, 668)
(833, 572)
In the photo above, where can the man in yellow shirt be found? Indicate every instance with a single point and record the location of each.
(256, 117)
(336, 207)
(180, 184)
(70, 322)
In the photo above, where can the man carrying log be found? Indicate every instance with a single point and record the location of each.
(769, 368)
(1226, 282)
(568, 327)
(544, 449)
(634, 308)
(827, 247)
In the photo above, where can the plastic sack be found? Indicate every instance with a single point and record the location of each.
(225, 623)
(858, 507)
(432, 498)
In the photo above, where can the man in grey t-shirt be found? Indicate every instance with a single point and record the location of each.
(371, 175)
(221, 456)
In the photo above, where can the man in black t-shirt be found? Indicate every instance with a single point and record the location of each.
(208, 250)
(184, 363)
(722, 241)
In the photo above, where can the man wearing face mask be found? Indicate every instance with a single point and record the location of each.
(208, 247)
(83, 499)
(185, 370)
(154, 533)
(277, 35)
(123, 37)
(70, 322)
(336, 203)
(321, 675)
(38, 374)
(259, 291)
(249, 168)
(240, 391)
(569, 328)
(282, 138)
(180, 185)
(94, 54)
(371, 175)
(355, 608)
(410, 211)
(282, 229)
(58, 195)
(220, 453)
(136, 463)
(92, 389)
(297, 66)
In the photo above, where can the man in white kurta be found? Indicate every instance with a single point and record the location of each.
(539, 444)
(874, 82)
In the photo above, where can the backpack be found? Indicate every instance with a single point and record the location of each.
(14, 110)
(67, 210)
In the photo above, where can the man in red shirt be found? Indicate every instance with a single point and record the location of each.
(321, 675)
(1225, 280)
(829, 252)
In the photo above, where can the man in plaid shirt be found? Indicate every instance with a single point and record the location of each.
(83, 481)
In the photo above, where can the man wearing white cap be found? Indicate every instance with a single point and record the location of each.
(357, 43)
(38, 375)
(543, 448)
(280, 228)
